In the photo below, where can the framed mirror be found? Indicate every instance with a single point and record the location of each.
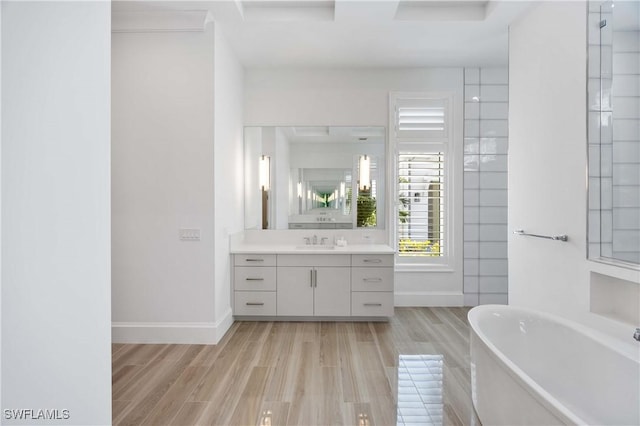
(614, 132)
(314, 177)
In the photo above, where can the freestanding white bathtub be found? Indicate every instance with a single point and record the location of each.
(532, 368)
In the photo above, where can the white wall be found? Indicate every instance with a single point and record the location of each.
(55, 210)
(547, 162)
(340, 97)
(163, 180)
(0, 199)
(547, 157)
(282, 164)
(359, 97)
(229, 179)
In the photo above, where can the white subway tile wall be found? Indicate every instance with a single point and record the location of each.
(493, 298)
(485, 181)
(614, 133)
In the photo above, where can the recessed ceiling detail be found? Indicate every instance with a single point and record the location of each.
(357, 33)
(288, 11)
(433, 11)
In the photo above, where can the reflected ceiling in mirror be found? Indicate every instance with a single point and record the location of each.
(315, 177)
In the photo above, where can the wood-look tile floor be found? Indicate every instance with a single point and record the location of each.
(413, 370)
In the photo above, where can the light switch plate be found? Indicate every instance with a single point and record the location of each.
(189, 234)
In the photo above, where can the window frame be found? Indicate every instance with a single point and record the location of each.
(424, 145)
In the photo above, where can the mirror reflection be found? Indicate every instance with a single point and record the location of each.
(320, 177)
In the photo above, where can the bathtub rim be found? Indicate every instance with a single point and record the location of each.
(537, 391)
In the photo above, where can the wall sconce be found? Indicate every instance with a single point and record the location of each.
(264, 174)
(364, 178)
(299, 189)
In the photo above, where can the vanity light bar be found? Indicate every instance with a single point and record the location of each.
(364, 178)
(264, 172)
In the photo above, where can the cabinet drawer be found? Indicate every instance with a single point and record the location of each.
(372, 304)
(314, 260)
(372, 260)
(371, 279)
(258, 303)
(252, 278)
(254, 260)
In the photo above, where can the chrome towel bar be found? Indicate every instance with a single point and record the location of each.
(562, 237)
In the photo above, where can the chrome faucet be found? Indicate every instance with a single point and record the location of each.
(315, 240)
(323, 240)
(307, 240)
(636, 335)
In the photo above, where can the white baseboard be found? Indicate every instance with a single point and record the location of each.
(194, 333)
(426, 298)
(224, 324)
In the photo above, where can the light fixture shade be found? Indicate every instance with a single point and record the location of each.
(264, 173)
(364, 178)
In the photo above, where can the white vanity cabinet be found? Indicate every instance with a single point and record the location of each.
(314, 285)
(372, 285)
(254, 285)
(318, 285)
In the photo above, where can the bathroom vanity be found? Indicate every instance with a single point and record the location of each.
(313, 282)
(330, 179)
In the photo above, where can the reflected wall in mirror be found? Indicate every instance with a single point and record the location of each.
(614, 131)
(321, 177)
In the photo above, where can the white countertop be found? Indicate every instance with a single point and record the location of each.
(252, 248)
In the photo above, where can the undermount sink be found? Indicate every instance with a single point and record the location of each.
(315, 247)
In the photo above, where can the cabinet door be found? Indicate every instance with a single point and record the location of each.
(295, 291)
(332, 292)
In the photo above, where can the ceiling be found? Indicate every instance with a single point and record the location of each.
(359, 33)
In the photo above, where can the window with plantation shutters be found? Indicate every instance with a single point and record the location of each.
(420, 204)
(421, 138)
(420, 119)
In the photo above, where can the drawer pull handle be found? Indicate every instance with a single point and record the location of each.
(372, 304)
(372, 280)
(255, 303)
(372, 260)
(254, 279)
(254, 260)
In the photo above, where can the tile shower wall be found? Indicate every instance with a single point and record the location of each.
(485, 185)
(614, 133)
(625, 147)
